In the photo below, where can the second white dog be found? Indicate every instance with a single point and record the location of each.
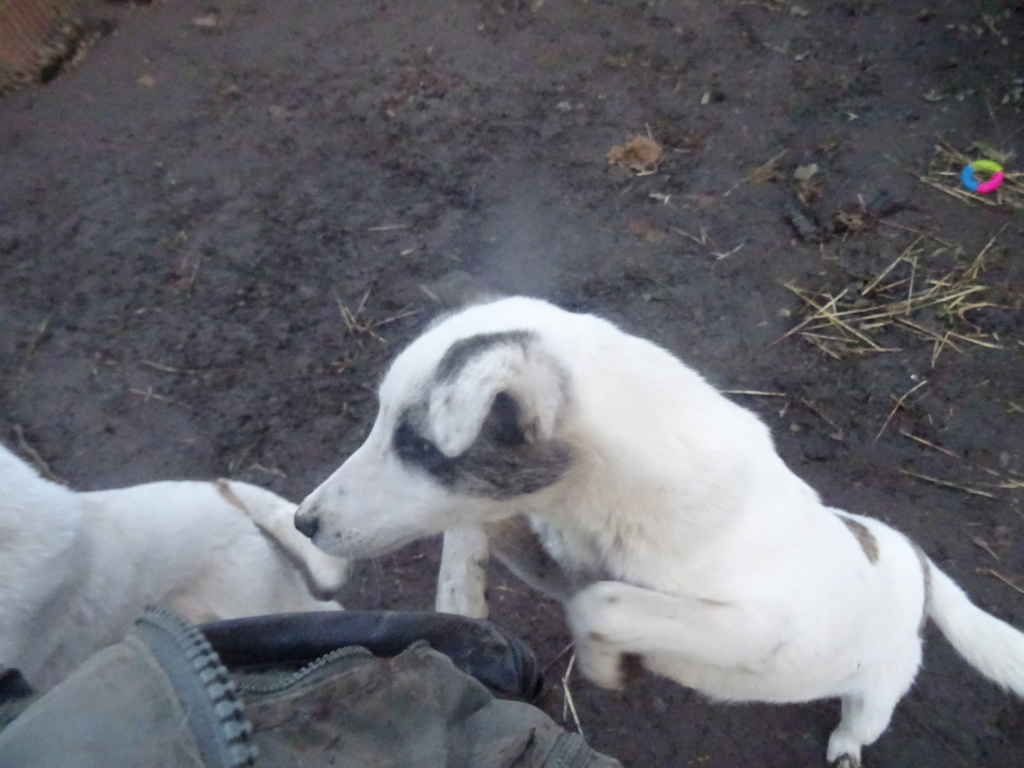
(77, 568)
(614, 477)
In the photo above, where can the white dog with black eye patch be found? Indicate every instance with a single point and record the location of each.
(611, 475)
(76, 569)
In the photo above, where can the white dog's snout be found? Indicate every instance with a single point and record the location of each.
(307, 519)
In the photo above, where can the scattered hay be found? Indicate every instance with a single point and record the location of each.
(35, 457)
(980, 542)
(1003, 579)
(763, 173)
(33, 343)
(944, 175)
(358, 326)
(837, 431)
(899, 404)
(639, 154)
(1001, 481)
(149, 395)
(567, 700)
(974, 491)
(752, 392)
(903, 300)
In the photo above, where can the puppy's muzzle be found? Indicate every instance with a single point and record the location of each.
(307, 521)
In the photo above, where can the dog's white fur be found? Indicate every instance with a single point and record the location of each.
(675, 533)
(77, 568)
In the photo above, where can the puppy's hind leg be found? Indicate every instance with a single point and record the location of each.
(868, 710)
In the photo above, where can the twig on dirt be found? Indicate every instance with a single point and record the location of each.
(838, 434)
(911, 230)
(275, 471)
(752, 392)
(899, 404)
(719, 255)
(910, 288)
(148, 394)
(567, 696)
(349, 317)
(816, 341)
(980, 542)
(763, 171)
(30, 350)
(939, 738)
(948, 484)
(972, 272)
(191, 282)
(702, 240)
(1002, 579)
(558, 656)
(931, 445)
(1004, 483)
(35, 457)
(236, 463)
(881, 276)
(828, 313)
(358, 327)
(161, 367)
(806, 321)
(769, 5)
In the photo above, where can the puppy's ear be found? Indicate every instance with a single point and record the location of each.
(509, 391)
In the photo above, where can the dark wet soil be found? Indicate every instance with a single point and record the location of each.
(189, 215)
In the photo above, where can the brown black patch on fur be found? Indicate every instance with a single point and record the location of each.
(224, 489)
(864, 537)
(461, 352)
(500, 464)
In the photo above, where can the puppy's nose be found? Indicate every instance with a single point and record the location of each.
(308, 523)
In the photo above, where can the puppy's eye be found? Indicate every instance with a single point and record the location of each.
(411, 446)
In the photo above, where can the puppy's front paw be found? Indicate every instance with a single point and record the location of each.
(591, 615)
(599, 662)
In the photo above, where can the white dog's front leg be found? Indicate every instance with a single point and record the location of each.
(462, 579)
(610, 619)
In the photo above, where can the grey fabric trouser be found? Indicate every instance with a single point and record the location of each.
(162, 699)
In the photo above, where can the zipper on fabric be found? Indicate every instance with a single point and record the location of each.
(211, 701)
(316, 670)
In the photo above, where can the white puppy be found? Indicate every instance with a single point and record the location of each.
(77, 568)
(614, 477)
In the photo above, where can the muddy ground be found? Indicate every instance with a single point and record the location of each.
(191, 211)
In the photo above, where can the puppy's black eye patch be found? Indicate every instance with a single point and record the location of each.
(414, 448)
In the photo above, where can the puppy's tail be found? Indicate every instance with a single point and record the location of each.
(990, 645)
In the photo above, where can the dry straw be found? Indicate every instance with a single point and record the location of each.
(892, 303)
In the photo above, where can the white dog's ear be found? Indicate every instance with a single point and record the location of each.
(501, 385)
